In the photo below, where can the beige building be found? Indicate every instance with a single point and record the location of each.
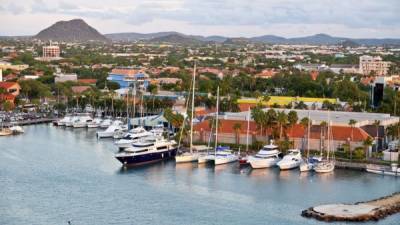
(51, 52)
(374, 64)
(7, 65)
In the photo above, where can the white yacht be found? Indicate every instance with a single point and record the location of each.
(223, 155)
(64, 120)
(291, 160)
(106, 123)
(147, 150)
(268, 156)
(131, 137)
(157, 130)
(82, 121)
(71, 121)
(109, 132)
(95, 123)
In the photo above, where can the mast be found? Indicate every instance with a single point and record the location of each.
(216, 123)
(248, 128)
(134, 99)
(329, 135)
(308, 135)
(127, 107)
(191, 116)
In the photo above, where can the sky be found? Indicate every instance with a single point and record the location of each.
(233, 18)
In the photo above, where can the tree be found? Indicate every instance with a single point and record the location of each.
(376, 124)
(352, 123)
(367, 143)
(237, 127)
(292, 120)
(282, 120)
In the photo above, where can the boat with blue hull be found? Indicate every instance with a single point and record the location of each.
(148, 150)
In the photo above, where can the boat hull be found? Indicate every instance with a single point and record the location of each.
(132, 160)
(104, 134)
(324, 167)
(262, 163)
(187, 158)
(288, 165)
(304, 167)
(225, 160)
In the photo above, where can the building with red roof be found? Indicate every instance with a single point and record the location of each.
(88, 81)
(11, 87)
(226, 134)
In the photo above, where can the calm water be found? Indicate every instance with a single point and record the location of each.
(51, 175)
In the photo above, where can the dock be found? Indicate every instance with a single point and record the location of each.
(29, 122)
(373, 210)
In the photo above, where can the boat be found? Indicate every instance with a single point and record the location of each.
(16, 129)
(64, 120)
(106, 123)
(190, 155)
(244, 160)
(157, 130)
(71, 121)
(307, 164)
(109, 132)
(82, 121)
(268, 156)
(148, 150)
(131, 137)
(290, 161)
(222, 154)
(394, 170)
(95, 123)
(5, 132)
(121, 132)
(326, 165)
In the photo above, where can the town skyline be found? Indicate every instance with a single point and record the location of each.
(231, 19)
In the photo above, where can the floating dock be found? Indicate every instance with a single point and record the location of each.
(358, 212)
(29, 122)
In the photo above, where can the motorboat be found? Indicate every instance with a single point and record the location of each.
(223, 155)
(268, 156)
(157, 130)
(291, 160)
(106, 123)
(70, 122)
(131, 137)
(109, 132)
(82, 121)
(384, 170)
(95, 123)
(309, 163)
(16, 129)
(64, 120)
(147, 150)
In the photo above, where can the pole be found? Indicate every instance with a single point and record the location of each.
(247, 133)
(216, 123)
(191, 119)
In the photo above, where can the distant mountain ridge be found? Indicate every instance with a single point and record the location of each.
(317, 39)
(75, 30)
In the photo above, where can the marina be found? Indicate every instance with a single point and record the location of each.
(73, 174)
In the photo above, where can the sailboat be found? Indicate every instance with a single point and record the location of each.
(327, 165)
(307, 164)
(244, 160)
(222, 154)
(189, 156)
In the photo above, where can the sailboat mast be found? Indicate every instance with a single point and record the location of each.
(308, 135)
(216, 122)
(248, 128)
(191, 116)
(329, 135)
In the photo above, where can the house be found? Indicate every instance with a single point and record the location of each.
(11, 87)
(88, 81)
(61, 77)
(126, 76)
(341, 135)
(266, 73)
(80, 89)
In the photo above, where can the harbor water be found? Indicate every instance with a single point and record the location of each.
(52, 175)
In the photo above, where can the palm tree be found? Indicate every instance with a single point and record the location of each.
(366, 143)
(304, 123)
(270, 119)
(236, 127)
(351, 123)
(376, 124)
(323, 126)
(292, 118)
(282, 120)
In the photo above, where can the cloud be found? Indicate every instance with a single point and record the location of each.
(356, 15)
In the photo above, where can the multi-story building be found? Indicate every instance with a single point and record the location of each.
(60, 77)
(373, 64)
(51, 51)
(125, 76)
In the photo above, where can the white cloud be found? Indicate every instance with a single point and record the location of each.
(353, 18)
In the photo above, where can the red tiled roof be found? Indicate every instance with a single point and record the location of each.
(87, 81)
(340, 133)
(126, 72)
(7, 85)
(7, 97)
(79, 89)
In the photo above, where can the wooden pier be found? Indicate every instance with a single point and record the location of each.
(29, 122)
(361, 211)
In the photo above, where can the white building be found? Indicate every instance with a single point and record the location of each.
(61, 77)
(374, 64)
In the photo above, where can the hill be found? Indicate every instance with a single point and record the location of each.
(75, 30)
